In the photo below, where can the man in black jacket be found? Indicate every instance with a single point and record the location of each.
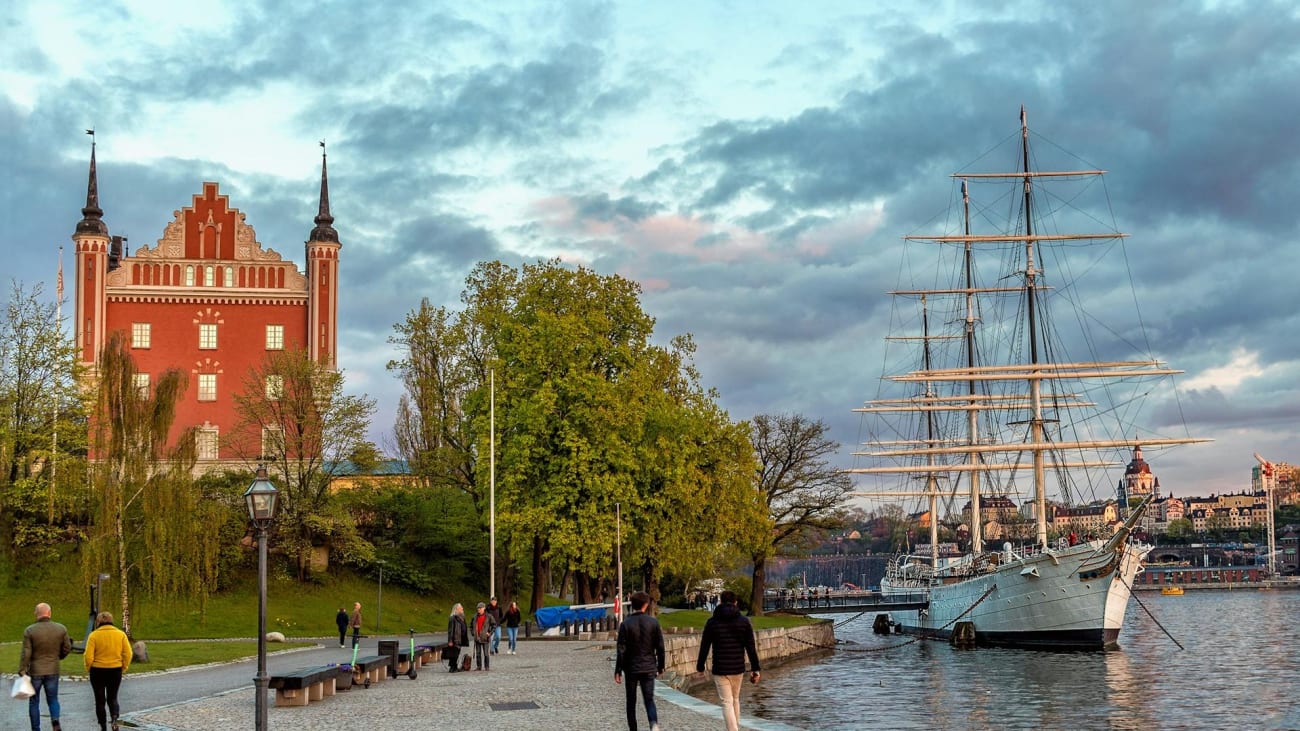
(641, 657)
(731, 636)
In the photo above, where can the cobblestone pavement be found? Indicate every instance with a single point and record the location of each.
(570, 683)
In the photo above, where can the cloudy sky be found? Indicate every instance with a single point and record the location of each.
(753, 165)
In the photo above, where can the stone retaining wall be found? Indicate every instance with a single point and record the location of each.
(775, 646)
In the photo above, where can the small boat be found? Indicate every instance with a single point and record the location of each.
(1171, 590)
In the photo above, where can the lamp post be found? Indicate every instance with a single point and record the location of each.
(262, 499)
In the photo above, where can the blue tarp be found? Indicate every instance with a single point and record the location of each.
(548, 617)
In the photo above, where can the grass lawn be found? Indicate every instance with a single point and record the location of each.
(697, 617)
(162, 655)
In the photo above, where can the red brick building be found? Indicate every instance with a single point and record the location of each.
(208, 299)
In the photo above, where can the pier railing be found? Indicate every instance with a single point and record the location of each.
(843, 602)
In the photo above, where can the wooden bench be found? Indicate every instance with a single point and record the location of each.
(370, 669)
(302, 686)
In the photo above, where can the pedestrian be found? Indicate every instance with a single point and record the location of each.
(108, 655)
(355, 623)
(45, 643)
(482, 629)
(494, 609)
(512, 618)
(341, 619)
(730, 635)
(457, 637)
(641, 657)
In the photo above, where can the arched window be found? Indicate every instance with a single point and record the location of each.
(230, 276)
(189, 275)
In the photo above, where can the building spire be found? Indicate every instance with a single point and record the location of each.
(92, 215)
(324, 230)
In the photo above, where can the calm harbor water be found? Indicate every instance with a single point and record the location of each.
(1240, 670)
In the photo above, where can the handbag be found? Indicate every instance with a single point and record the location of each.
(22, 687)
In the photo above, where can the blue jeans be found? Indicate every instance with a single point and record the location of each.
(51, 685)
(513, 634)
(647, 683)
(496, 639)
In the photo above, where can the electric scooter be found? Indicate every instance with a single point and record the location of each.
(410, 663)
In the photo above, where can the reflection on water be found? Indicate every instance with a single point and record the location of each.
(1240, 669)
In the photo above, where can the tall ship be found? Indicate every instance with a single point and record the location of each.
(985, 400)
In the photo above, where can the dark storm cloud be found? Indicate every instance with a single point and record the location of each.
(600, 207)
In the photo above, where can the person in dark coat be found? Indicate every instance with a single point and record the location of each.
(341, 619)
(457, 636)
(512, 618)
(641, 657)
(497, 613)
(731, 637)
(482, 628)
(45, 643)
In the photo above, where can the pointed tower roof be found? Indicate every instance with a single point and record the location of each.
(92, 215)
(324, 230)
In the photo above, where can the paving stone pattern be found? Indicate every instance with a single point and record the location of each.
(570, 681)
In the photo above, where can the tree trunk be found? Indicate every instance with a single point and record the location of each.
(540, 575)
(760, 586)
(119, 529)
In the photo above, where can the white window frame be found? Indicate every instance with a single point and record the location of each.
(272, 441)
(209, 276)
(141, 335)
(275, 337)
(207, 387)
(189, 275)
(207, 336)
(230, 276)
(141, 383)
(208, 443)
(274, 387)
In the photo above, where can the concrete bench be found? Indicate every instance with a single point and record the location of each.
(369, 669)
(302, 686)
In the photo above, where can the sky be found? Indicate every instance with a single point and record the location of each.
(753, 165)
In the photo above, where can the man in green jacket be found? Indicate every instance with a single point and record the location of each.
(45, 643)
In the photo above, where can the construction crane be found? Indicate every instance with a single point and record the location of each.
(1268, 480)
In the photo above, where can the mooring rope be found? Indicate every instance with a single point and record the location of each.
(855, 648)
(1149, 614)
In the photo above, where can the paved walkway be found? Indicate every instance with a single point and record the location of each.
(570, 682)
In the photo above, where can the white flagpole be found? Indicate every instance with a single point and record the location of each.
(618, 553)
(492, 481)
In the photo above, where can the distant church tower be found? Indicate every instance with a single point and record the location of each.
(209, 300)
(1138, 481)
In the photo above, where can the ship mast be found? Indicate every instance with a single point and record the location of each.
(972, 415)
(931, 482)
(1035, 384)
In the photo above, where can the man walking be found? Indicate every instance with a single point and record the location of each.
(482, 628)
(45, 643)
(494, 609)
(341, 619)
(731, 636)
(355, 624)
(641, 657)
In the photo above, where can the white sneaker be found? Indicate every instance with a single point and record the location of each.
(654, 727)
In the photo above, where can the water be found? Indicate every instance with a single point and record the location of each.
(1240, 669)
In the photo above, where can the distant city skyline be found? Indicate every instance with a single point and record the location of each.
(752, 165)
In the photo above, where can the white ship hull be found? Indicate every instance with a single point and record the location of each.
(1071, 599)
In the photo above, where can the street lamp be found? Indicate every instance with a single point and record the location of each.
(262, 499)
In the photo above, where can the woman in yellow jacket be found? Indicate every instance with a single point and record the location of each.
(108, 655)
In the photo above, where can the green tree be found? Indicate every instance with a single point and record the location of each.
(803, 493)
(42, 424)
(296, 418)
(583, 406)
(144, 520)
